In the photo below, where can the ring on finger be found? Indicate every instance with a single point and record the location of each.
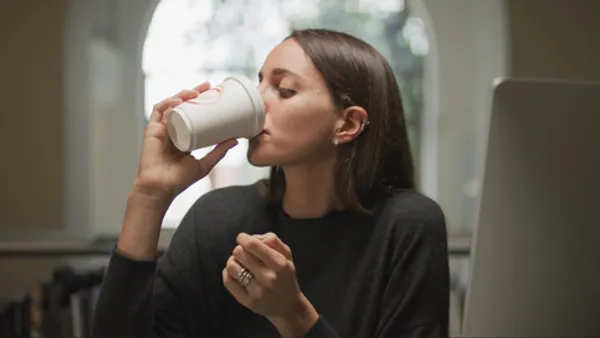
(244, 277)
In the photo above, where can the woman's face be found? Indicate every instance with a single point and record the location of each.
(300, 115)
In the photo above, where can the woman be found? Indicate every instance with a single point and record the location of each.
(335, 243)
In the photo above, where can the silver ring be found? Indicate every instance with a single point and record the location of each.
(244, 277)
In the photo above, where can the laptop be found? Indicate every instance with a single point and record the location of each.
(535, 264)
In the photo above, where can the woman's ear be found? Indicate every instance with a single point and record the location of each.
(350, 124)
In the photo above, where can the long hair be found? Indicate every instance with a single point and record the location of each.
(379, 162)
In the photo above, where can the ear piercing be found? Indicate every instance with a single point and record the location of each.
(362, 127)
(364, 124)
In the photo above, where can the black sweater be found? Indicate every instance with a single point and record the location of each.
(384, 275)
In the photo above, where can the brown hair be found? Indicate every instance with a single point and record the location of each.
(379, 161)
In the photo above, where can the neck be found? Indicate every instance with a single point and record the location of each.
(310, 190)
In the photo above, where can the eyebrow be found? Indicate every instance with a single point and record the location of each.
(281, 71)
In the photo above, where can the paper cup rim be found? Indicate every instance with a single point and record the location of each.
(188, 125)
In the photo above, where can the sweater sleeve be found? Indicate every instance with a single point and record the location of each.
(321, 329)
(154, 298)
(416, 298)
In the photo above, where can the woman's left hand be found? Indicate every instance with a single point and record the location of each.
(274, 291)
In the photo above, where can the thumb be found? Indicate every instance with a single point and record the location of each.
(208, 162)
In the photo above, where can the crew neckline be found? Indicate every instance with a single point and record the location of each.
(330, 215)
(276, 209)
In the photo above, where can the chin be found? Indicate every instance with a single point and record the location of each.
(259, 156)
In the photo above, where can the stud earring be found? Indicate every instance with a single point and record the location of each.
(335, 140)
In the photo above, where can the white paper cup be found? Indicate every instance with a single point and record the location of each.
(232, 109)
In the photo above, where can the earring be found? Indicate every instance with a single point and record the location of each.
(335, 140)
(364, 124)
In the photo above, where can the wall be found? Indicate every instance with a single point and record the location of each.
(470, 44)
(104, 81)
(32, 136)
(555, 38)
(31, 132)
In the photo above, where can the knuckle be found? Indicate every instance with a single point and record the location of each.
(270, 280)
(182, 94)
(240, 256)
(238, 238)
(280, 264)
(289, 267)
(225, 277)
(237, 250)
(253, 243)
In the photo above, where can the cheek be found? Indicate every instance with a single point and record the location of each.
(294, 136)
(301, 127)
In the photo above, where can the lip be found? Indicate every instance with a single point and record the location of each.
(260, 135)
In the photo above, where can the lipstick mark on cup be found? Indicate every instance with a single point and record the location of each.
(207, 98)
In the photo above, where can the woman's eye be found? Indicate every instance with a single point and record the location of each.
(285, 93)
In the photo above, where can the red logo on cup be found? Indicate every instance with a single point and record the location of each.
(210, 97)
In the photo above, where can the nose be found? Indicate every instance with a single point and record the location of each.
(263, 90)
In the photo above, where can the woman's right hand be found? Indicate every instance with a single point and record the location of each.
(163, 170)
(163, 173)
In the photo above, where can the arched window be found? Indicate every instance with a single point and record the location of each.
(190, 41)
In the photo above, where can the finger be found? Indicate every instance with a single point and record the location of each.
(262, 274)
(159, 109)
(277, 244)
(234, 288)
(233, 267)
(211, 159)
(204, 86)
(187, 94)
(248, 260)
(270, 257)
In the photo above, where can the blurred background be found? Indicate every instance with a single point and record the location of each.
(79, 78)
